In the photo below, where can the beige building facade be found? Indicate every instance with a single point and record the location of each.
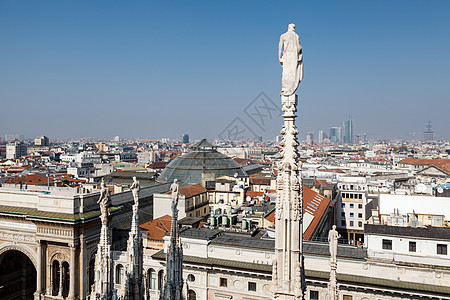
(48, 240)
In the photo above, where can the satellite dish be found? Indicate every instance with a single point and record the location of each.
(421, 188)
(440, 190)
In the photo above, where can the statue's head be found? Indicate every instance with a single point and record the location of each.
(334, 227)
(291, 27)
(175, 180)
(134, 178)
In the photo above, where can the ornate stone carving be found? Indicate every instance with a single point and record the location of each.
(333, 237)
(21, 248)
(174, 287)
(17, 237)
(288, 271)
(55, 231)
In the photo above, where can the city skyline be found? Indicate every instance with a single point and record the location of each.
(80, 69)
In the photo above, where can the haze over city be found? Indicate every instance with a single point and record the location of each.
(160, 69)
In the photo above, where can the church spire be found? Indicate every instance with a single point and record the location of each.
(133, 282)
(103, 263)
(288, 269)
(173, 287)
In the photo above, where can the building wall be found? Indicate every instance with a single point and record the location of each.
(426, 250)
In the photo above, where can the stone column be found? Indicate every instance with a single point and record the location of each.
(39, 270)
(82, 270)
(49, 279)
(72, 271)
(60, 279)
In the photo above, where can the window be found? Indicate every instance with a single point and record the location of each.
(313, 295)
(412, 246)
(56, 275)
(360, 196)
(351, 215)
(342, 222)
(359, 224)
(252, 286)
(360, 206)
(387, 244)
(343, 214)
(359, 215)
(65, 279)
(160, 279)
(191, 278)
(347, 297)
(152, 279)
(119, 274)
(223, 282)
(343, 205)
(442, 249)
(191, 295)
(351, 205)
(351, 223)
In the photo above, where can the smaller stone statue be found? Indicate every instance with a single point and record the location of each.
(333, 237)
(105, 195)
(174, 189)
(135, 188)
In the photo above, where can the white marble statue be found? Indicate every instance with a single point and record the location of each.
(105, 195)
(174, 189)
(290, 55)
(333, 237)
(135, 188)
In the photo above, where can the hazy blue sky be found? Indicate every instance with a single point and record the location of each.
(163, 68)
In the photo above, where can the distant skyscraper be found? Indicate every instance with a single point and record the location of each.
(260, 139)
(185, 138)
(336, 134)
(428, 134)
(321, 137)
(310, 138)
(348, 131)
(117, 139)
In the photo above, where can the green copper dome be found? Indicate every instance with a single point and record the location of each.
(203, 158)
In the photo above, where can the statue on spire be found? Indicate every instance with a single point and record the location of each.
(288, 268)
(173, 286)
(291, 58)
(135, 252)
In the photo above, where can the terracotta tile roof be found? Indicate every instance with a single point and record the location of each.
(441, 163)
(158, 165)
(192, 190)
(157, 228)
(260, 180)
(316, 205)
(271, 216)
(253, 194)
(31, 179)
(319, 182)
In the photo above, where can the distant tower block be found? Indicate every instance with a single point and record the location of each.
(185, 138)
(428, 135)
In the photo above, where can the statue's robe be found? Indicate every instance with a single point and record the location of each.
(291, 60)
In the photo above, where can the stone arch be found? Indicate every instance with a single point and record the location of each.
(59, 254)
(23, 249)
